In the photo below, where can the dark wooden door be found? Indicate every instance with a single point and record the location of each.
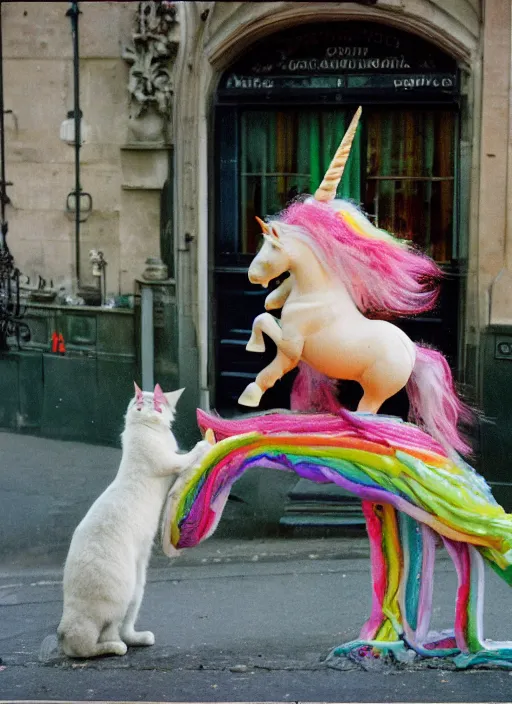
(402, 172)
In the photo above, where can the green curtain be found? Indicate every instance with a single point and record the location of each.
(333, 126)
(319, 136)
(287, 152)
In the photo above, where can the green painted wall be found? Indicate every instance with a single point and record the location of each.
(80, 395)
(496, 425)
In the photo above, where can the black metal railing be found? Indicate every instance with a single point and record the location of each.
(11, 309)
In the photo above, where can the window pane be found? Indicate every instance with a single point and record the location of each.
(286, 153)
(408, 161)
(417, 145)
(420, 211)
(410, 143)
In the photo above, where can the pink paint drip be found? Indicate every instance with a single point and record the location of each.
(378, 569)
(460, 556)
(343, 423)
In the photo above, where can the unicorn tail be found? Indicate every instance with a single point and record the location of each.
(314, 392)
(433, 400)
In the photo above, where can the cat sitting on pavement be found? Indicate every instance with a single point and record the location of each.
(105, 570)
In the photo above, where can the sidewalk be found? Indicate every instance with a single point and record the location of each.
(47, 486)
(234, 619)
(251, 631)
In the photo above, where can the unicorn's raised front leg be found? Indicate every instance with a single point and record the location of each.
(289, 352)
(277, 298)
(274, 371)
(263, 323)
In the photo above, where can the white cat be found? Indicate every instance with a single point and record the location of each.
(105, 570)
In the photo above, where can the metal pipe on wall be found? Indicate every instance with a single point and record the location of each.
(73, 13)
(3, 184)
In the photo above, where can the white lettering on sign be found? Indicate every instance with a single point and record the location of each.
(346, 64)
(235, 81)
(423, 82)
(333, 51)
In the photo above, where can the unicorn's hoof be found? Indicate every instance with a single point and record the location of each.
(254, 346)
(251, 396)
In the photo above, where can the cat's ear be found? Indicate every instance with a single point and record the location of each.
(139, 396)
(173, 397)
(159, 398)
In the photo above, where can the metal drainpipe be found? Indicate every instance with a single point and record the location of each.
(73, 13)
(3, 195)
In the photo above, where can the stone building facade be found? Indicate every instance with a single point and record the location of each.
(124, 185)
(162, 95)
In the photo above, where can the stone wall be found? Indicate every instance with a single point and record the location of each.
(124, 184)
(495, 216)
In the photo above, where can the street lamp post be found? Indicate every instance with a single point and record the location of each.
(73, 14)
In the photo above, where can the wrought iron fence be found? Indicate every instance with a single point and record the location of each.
(11, 308)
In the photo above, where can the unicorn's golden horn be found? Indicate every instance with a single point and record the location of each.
(327, 189)
(262, 224)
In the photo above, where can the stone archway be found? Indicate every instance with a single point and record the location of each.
(211, 38)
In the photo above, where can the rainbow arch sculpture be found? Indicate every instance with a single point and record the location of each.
(413, 495)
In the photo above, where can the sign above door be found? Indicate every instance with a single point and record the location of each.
(351, 59)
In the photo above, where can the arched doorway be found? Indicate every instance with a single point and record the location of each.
(279, 114)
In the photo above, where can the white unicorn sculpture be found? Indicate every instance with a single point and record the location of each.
(342, 269)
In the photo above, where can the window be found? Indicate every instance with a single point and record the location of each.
(410, 176)
(284, 153)
(401, 168)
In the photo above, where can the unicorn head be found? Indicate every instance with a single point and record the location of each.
(384, 275)
(272, 259)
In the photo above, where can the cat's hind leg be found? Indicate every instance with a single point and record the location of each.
(81, 640)
(128, 633)
(110, 633)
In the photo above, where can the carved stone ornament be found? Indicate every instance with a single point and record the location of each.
(154, 46)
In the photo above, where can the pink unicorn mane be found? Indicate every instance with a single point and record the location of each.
(385, 429)
(386, 277)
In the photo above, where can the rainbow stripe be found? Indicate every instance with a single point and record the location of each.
(445, 494)
(411, 490)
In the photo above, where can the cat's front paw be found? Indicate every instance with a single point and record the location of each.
(201, 449)
(139, 638)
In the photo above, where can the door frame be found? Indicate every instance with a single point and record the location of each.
(198, 70)
(236, 107)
